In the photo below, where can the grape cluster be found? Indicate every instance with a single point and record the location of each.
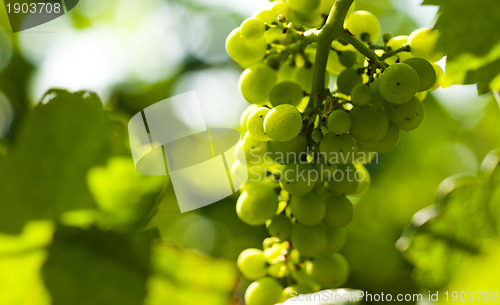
(304, 151)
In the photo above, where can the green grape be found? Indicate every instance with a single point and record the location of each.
(345, 180)
(363, 25)
(348, 79)
(283, 123)
(253, 28)
(310, 241)
(286, 93)
(369, 123)
(295, 290)
(361, 95)
(277, 269)
(279, 226)
(317, 135)
(396, 43)
(333, 65)
(255, 123)
(266, 291)
(339, 122)
(399, 83)
(330, 271)
(274, 253)
(364, 180)
(256, 204)
(308, 209)
(339, 212)
(337, 149)
(251, 150)
(348, 58)
(289, 151)
(304, 77)
(326, 171)
(407, 116)
(423, 44)
(377, 99)
(245, 51)
(276, 35)
(299, 178)
(244, 117)
(287, 72)
(425, 71)
(439, 77)
(336, 240)
(270, 242)
(252, 264)
(303, 5)
(388, 142)
(310, 20)
(256, 83)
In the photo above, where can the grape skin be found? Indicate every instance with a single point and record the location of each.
(256, 83)
(279, 226)
(252, 263)
(399, 83)
(339, 122)
(331, 271)
(348, 79)
(339, 212)
(245, 51)
(255, 123)
(425, 71)
(296, 178)
(286, 93)
(310, 241)
(363, 22)
(308, 209)
(369, 123)
(266, 291)
(361, 95)
(256, 204)
(283, 123)
(407, 116)
(423, 43)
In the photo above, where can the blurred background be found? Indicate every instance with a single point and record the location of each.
(136, 53)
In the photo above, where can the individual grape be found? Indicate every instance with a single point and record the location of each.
(369, 123)
(308, 209)
(251, 150)
(256, 204)
(286, 93)
(336, 240)
(304, 77)
(245, 51)
(317, 135)
(266, 291)
(396, 43)
(348, 58)
(339, 212)
(333, 65)
(277, 269)
(407, 116)
(344, 181)
(310, 241)
(295, 290)
(244, 117)
(361, 95)
(303, 5)
(348, 79)
(425, 71)
(283, 123)
(253, 28)
(337, 148)
(339, 121)
(364, 180)
(377, 99)
(330, 271)
(363, 25)
(298, 178)
(256, 83)
(388, 142)
(399, 83)
(423, 43)
(274, 253)
(289, 151)
(287, 72)
(255, 124)
(439, 77)
(252, 264)
(306, 19)
(279, 226)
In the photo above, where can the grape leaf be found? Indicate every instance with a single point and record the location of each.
(471, 40)
(44, 172)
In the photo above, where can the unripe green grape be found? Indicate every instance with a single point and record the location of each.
(286, 93)
(252, 264)
(256, 204)
(425, 71)
(270, 242)
(344, 181)
(423, 43)
(337, 148)
(339, 121)
(287, 152)
(339, 212)
(303, 5)
(363, 24)
(287, 72)
(364, 180)
(396, 43)
(310, 241)
(277, 269)
(255, 123)
(399, 83)
(336, 240)
(252, 28)
(326, 171)
(439, 77)
(252, 149)
(348, 58)
(388, 142)
(244, 117)
(274, 253)
(279, 226)
(245, 51)
(304, 77)
(317, 135)
(256, 83)
(283, 123)
(276, 35)
(361, 95)
(369, 123)
(295, 290)
(299, 178)
(266, 291)
(377, 99)
(308, 209)
(348, 79)
(330, 271)
(306, 19)
(407, 116)
(333, 65)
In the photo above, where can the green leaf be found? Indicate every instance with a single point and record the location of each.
(470, 38)
(44, 172)
(95, 267)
